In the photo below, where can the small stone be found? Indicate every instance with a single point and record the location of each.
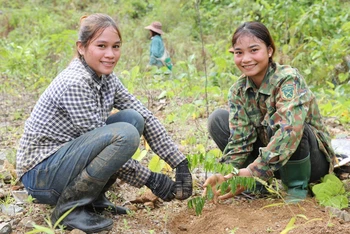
(10, 209)
(182, 228)
(149, 205)
(27, 222)
(5, 228)
(21, 196)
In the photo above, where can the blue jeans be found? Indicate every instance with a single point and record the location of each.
(112, 145)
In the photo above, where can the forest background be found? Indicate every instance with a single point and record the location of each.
(37, 41)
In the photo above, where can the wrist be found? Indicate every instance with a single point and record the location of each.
(150, 181)
(183, 163)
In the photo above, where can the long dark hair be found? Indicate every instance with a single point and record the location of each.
(258, 30)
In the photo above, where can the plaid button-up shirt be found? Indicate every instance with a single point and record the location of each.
(78, 101)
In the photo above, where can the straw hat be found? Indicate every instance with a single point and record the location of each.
(155, 27)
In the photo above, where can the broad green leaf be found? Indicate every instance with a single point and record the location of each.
(162, 94)
(139, 155)
(215, 152)
(331, 192)
(156, 164)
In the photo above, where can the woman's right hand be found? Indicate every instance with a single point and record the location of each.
(213, 181)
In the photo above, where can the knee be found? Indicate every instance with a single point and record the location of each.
(128, 116)
(307, 145)
(308, 133)
(125, 134)
(216, 118)
(139, 121)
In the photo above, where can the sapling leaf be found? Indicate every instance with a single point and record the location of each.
(210, 194)
(197, 203)
(156, 164)
(215, 152)
(139, 155)
(223, 187)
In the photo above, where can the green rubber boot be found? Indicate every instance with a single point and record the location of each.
(295, 175)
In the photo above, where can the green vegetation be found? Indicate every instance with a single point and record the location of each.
(331, 192)
(38, 38)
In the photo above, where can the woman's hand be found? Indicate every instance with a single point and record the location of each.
(215, 180)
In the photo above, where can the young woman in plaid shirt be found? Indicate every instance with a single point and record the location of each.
(73, 150)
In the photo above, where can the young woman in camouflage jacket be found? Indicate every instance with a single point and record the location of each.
(273, 127)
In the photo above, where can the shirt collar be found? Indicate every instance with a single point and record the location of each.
(99, 81)
(266, 86)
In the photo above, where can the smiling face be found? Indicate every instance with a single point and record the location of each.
(251, 56)
(103, 52)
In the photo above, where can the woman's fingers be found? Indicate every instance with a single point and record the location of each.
(226, 196)
(204, 192)
(229, 194)
(215, 180)
(212, 181)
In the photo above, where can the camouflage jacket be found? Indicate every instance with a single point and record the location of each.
(284, 103)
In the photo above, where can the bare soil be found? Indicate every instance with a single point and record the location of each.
(238, 215)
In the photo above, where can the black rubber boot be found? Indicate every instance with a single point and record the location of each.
(80, 192)
(103, 204)
(296, 175)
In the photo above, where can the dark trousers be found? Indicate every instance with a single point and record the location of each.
(218, 127)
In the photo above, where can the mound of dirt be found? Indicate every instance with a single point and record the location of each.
(258, 216)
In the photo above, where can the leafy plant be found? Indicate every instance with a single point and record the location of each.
(197, 203)
(331, 192)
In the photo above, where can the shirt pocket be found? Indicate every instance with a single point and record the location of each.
(254, 116)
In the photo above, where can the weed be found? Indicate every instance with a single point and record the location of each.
(51, 227)
(233, 231)
(126, 224)
(8, 200)
(130, 213)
